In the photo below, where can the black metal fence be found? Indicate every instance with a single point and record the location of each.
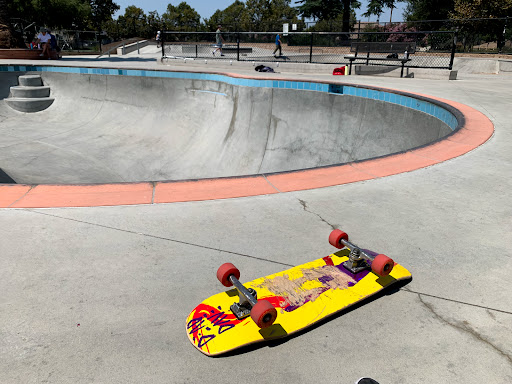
(80, 41)
(434, 49)
(67, 40)
(475, 35)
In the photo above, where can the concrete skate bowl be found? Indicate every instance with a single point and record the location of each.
(192, 136)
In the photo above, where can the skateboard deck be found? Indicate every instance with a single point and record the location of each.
(302, 296)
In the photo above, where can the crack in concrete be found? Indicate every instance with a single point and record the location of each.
(305, 207)
(465, 327)
(488, 309)
(159, 237)
(25, 194)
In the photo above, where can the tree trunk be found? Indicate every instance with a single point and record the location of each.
(346, 16)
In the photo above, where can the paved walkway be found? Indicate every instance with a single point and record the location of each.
(101, 294)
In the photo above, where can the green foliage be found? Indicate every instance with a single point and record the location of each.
(71, 14)
(181, 18)
(326, 9)
(255, 15)
(235, 17)
(266, 15)
(321, 9)
(333, 25)
(329, 10)
(154, 23)
(487, 30)
(133, 22)
(376, 7)
(101, 12)
(428, 9)
(68, 14)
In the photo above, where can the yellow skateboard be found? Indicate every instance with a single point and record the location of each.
(281, 304)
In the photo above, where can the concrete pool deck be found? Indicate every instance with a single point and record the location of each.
(100, 294)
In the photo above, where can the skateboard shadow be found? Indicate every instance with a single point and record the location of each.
(277, 342)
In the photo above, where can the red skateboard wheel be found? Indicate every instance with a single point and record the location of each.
(224, 271)
(335, 238)
(263, 314)
(382, 265)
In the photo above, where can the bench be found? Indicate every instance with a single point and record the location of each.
(234, 49)
(385, 47)
(26, 54)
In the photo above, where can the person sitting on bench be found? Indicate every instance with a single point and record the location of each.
(43, 38)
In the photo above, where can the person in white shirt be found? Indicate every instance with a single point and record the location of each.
(43, 38)
(158, 39)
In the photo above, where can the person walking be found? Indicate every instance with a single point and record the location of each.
(158, 39)
(278, 46)
(219, 40)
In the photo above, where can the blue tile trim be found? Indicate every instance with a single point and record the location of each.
(424, 106)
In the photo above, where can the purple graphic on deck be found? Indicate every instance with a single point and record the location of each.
(290, 294)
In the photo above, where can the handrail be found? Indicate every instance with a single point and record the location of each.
(117, 46)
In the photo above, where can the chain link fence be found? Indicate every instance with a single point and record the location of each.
(434, 49)
(487, 36)
(477, 35)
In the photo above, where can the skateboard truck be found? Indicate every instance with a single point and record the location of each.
(262, 312)
(247, 299)
(358, 259)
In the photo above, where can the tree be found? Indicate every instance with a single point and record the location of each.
(376, 7)
(235, 16)
(154, 23)
(321, 10)
(267, 15)
(429, 12)
(68, 14)
(483, 9)
(8, 39)
(467, 9)
(101, 12)
(329, 10)
(132, 22)
(181, 18)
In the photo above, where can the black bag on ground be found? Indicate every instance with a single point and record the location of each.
(262, 68)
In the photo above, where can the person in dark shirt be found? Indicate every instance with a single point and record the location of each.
(278, 46)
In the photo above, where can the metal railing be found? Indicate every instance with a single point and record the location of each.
(435, 49)
(123, 44)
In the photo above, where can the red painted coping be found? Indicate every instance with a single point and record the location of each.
(476, 131)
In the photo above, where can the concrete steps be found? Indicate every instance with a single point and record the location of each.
(30, 80)
(30, 92)
(30, 95)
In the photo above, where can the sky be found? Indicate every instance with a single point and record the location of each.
(206, 8)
